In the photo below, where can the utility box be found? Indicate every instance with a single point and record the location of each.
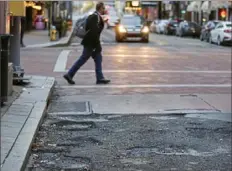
(17, 8)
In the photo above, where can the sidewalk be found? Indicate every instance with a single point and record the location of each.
(36, 37)
(20, 121)
(40, 39)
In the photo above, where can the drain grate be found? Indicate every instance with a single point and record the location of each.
(69, 108)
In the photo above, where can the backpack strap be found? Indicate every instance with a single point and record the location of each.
(98, 17)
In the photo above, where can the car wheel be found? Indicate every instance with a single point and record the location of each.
(219, 41)
(118, 39)
(210, 39)
(145, 40)
(181, 34)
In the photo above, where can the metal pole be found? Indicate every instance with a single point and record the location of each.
(15, 30)
(160, 10)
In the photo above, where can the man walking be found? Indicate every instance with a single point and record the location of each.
(92, 46)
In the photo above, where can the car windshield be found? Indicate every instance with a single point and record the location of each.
(228, 25)
(131, 21)
(175, 23)
(164, 21)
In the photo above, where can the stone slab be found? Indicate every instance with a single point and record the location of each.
(146, 104)
(35, 93)
(14, 118)
(21, 121)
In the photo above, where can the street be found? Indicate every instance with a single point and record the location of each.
(187, 65)
(85, 129)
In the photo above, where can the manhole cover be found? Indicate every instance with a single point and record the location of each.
(65, 108)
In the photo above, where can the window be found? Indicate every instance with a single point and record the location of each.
(219, 26)
(131, 21)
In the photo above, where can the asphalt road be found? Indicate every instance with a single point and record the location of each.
(167, 65)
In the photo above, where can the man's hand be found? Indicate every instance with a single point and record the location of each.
(106, 20)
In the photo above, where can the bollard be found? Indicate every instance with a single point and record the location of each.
(5, 48)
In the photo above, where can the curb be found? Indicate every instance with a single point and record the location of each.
(53, 44)
(20, 152)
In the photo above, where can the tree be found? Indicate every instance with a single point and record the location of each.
(48, 4)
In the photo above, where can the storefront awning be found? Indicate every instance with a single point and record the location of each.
(194, 6)
(205, 6)
(220, 4)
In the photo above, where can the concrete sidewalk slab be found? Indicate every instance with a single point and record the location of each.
(220, 102)
(146, 104)
(20, 122)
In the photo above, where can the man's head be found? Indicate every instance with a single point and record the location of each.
(100, 7)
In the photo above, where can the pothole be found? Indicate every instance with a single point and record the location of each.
(50, 149)
(221, 130)
(135, 161)
(66, 163)
(172, 151)
(73, 125)
(80, 141)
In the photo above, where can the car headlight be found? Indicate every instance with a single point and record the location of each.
(121, 29)
(145, 29)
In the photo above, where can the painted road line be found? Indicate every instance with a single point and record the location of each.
(159, 71)
(61, 62)
(150, 86)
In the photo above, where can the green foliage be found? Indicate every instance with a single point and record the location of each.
(48, 4)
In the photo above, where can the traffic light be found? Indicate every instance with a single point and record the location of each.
(223, 13)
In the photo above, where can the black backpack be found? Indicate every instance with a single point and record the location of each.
(80, 30)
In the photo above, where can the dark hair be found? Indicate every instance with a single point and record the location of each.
(99, 6)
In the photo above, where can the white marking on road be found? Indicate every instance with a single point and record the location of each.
(159, 71)
(151, 86)
(62, 61)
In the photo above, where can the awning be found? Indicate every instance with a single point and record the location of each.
(220, 4)
(194, 6)
(205, 6)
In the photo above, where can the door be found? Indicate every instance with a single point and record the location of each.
(215, 32)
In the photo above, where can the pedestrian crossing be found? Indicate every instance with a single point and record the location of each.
(156, 68)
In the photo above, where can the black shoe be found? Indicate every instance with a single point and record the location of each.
(22, 45)
(68, 78)
(103, 81)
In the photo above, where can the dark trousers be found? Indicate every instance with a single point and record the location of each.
(21, 37)
(87, 53)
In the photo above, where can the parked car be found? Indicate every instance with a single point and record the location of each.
(160, 26)
(187, 28)
(222, 33)
(132, 26)
(170, 27)
(206, 29)
(154, 25)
